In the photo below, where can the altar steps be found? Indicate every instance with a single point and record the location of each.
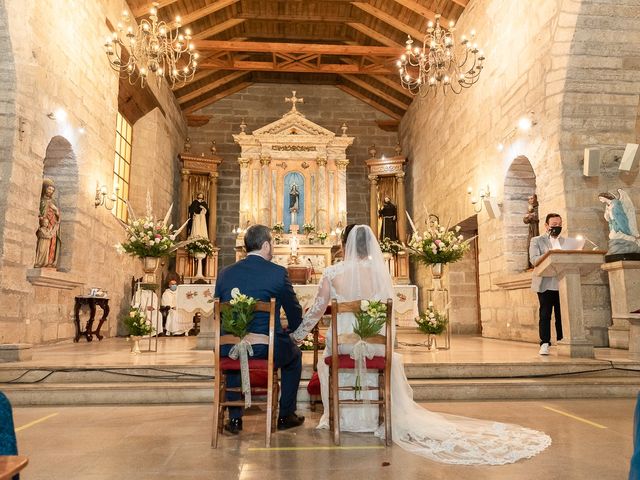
(431, 382)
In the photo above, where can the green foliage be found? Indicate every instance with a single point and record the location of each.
(431, 321)
(200, 245)
(370, 319)
(137, 323)
(238, 314)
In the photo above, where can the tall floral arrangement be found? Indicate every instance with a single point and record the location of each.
(438, 244)
(148, 237)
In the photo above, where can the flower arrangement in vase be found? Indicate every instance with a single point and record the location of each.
(137, 324)
(438, 244)
(148, 237)
(431, 322)
(389, 246)
(278, 228)
(308, 343)
(322, 236)
(199, 246)
(308, 228)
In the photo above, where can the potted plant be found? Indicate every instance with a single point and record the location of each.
(138, 326)
(308, 228)
(432, 322)
(322, 236)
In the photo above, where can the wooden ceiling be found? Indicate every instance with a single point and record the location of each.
(350, 44)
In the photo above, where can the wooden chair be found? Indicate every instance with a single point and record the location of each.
(381, 364)
(264, 377)
(313, 387)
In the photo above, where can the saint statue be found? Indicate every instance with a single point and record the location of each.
(533, 220)
(294, 197)
(198, 218)
(48, 233)
(623, 228)
(389, 214)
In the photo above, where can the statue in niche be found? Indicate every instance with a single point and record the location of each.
(620, 214)
(198, 218)
(294, 197)
(533, 220)
(48, 233)
(389, 215)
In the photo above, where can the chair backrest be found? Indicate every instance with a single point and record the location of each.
(253, 338)
(354, 307)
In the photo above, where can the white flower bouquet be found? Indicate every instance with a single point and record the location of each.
(438, 245)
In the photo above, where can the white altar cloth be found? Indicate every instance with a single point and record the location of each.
(191, 299)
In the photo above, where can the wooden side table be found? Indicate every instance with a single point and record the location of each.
(103, 303)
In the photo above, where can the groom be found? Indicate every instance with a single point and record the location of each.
(257, 277)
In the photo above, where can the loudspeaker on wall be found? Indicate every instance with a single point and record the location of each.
(591, 162)
(629, 157)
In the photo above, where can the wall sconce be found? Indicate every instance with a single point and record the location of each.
(59, 114)
(490, 203)
(102, 197)
(525, 123)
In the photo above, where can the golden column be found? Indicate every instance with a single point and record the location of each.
(402, 213)
(184, 199)
(373, 203)
(213, 214)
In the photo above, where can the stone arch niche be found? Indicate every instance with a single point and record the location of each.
(60, 165)
(519, 185)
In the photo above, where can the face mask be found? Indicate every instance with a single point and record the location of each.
(555, 231)
(173, 287)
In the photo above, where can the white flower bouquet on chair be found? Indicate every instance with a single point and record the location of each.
(369, 321)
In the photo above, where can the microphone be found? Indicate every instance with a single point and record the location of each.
(584, 237)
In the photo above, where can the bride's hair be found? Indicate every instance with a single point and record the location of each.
(362, 250)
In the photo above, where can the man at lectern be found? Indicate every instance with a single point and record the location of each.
(547, 287)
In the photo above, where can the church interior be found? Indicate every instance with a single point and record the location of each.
(306, 116)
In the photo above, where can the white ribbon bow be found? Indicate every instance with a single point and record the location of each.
(244, 350)
(360, 353)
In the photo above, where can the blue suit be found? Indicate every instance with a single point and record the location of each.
(8, 444)
(634, 471)
(262, 280)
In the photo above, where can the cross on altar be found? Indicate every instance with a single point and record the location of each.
(293, 100)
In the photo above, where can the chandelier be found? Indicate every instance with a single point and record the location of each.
(152, 47)
(436, 66)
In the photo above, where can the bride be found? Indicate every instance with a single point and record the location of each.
(437, 436)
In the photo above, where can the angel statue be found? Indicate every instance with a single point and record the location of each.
(623, 227)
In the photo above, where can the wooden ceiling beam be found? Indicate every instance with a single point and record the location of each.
(369, 101)
(187, 97)
(292, 18)
(221, 27)
(422, 10)
(395, 84)
(203, 12)
(390, 19)
(275, 47)
(216, 97)
(295, 67)
(378, 37)
(462, 3)
(378, 93)
(144, 9)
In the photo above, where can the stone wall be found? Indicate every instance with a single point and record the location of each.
(261, 104)
(60, 63)
(562, 64)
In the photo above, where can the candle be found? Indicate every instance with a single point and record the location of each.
(293, 244)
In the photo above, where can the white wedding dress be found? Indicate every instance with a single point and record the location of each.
(437, 436)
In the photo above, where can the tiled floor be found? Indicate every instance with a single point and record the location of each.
(591, 440)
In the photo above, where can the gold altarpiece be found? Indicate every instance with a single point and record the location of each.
(386, 179)
(198, 174)
(294, 150)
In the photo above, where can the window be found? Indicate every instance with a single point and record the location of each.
(122, 165)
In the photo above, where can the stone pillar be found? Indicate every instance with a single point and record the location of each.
(624, 285)
(265, 190)
(373, 203)
(323, 200)
(342, 191)
(402, 216)
(245, 193)
(213, 206)
(184, 200)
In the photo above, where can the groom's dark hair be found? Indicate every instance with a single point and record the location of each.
(255, 236)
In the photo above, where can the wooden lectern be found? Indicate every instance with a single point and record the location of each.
(568, 266)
